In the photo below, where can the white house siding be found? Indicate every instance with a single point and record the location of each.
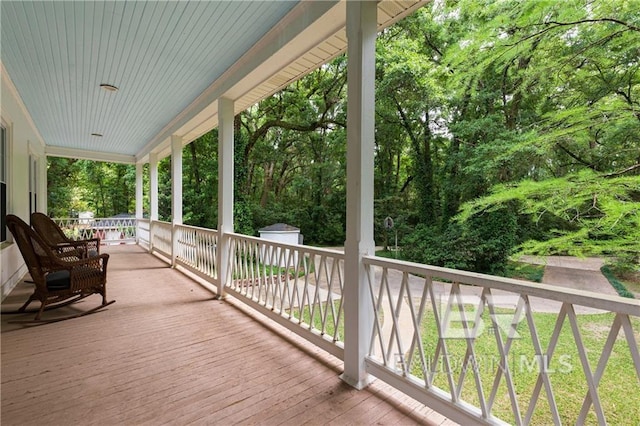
(23, 140)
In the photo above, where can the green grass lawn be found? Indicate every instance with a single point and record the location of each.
(329, 315)
(618, 389)
(524, 271)
(618, 285)
(629, 280)
(390, 254)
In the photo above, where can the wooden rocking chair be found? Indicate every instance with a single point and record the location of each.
(58, 281)
(58, 241)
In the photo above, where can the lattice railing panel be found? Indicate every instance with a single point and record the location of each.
(501, 350)
(109, 230)
(144, 228)
(161, 237)
(300, 283)
(197, 249)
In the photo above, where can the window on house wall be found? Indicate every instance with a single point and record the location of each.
(3, 182)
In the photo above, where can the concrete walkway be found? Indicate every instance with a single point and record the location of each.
(563, 271)
(574, 273)
(571, 273)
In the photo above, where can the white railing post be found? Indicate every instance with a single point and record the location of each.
(139, 197)
(176, 194)
(225, 189)
(358, 310)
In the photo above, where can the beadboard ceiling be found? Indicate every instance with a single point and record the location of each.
(170, 61)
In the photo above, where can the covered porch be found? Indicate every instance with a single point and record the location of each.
(169, 352)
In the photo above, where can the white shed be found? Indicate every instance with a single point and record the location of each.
(280, 233)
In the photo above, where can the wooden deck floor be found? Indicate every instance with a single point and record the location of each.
(167, 353)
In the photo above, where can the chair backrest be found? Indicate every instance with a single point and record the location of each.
(35, 251)
(48, 229)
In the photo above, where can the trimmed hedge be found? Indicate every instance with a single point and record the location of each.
(620, 288)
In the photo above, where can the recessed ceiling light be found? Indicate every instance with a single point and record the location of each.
(97, 134)
(109, 87)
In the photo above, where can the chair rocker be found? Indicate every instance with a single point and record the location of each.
(58, 281)
(55, 237)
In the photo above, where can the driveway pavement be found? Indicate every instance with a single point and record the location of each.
(574, 273)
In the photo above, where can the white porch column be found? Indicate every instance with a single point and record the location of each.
(153, 186)
(176, 193)
(225, 189)
(358, 309)
(139, 196)
(153, 195)
(41, 185)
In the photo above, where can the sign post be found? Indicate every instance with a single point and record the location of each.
(388, 225)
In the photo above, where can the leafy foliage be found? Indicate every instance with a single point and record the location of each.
(501, 127)
(82, 185)
(544, 101)
(620, 288)
(601, 215)
(481, 244)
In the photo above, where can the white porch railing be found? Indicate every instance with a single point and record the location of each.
(161, 237)
(109, 230)
(298, 286)
(480, 349)
(197, 251)
(144, 233)
(484, 349)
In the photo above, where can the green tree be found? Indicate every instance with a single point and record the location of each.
(62, 187)
(291, 150)
(105, 189)
(499, 126)
(200, 181)
(581, 141)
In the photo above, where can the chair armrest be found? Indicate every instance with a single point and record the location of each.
(68, 250)
(88, 274)
(83, 248)
(97, 262)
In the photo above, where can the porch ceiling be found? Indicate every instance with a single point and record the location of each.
(170, 60)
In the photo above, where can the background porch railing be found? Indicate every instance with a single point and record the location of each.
(298, 286)
(479, 349)
(109, 230)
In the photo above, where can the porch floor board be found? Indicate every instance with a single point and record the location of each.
(167, 352)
